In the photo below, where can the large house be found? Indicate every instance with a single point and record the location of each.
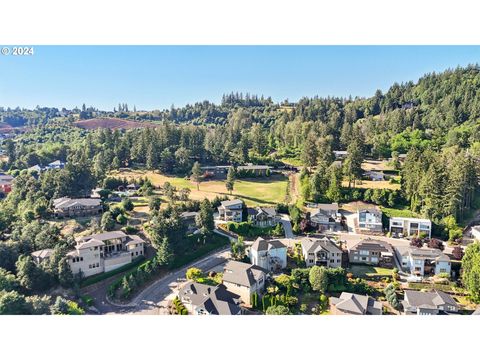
(369, 220)
(353, 304)
(6, 183)
(269, 254)
(202, 299)
(104, 252)
(321, 252)
(231, 210)
(67, 207)
(428, 303)
(189, 219)
(325, 216)
(221, 171)
(410, 226)
(243, 279)
(374, 175)
(372, 252)
(40, 256)
(263, 216)
(423, 261)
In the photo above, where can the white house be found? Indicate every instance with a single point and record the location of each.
(270, 255)
(369, 220)
(374, 175)
(410, 226)
(321, 252)
(475, 232)
(104, 252)
(231, 210)
(423, 261)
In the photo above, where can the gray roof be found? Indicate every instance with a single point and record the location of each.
(373, 211)
(216, 300)
(423, 253)
(135, 239)
(314, 244)
(355, 304)
(428, 300)
(45, 253)
(253, 167)
(271, 211)
(263, 245)
(228, 203)
(188, 214)
(240, 273)
(110, 235)
(375, 245)
(64, 203)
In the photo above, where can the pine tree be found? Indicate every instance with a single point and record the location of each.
(197, 174)
(230, 179)
(165, 254)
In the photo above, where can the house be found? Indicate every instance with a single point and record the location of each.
(231, 210)
(374, 175)
(402, 157)
(55, 165)
(243, 279)
(475, 232)
(353, 304)
(202, 299)
(325, 216)
(67, 207)
(255, 170)
(104, 252)
(423, 261)
(35, 168)
(189, 219)
(372, 252)
(215, 171)
(6, 182)
(428, 303)
(340, 154)
(321, 252)
(263, 216)
(270, 255)
(410, 226)
(369, 220)
(41, 255)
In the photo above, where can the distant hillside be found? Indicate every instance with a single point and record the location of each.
(111, 123)
(5, 127)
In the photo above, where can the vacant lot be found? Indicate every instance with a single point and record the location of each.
(376, 165)
(368, 184)
(259, 191)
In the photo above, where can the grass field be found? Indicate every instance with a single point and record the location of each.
(390, 212)
(364, 271)
(258, 191)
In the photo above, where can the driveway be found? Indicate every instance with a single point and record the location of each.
(153, 299)
(287, 226)
(350, 221)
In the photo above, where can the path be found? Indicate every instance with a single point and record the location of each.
(287, 226)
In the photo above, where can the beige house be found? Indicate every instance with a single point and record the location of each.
(104, 252)
(231, 210)
(372, 252)
(353, 304)
(243, 279)
(321, 252)
(41, 255)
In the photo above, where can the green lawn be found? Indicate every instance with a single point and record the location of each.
(365, 271)
(391, 212)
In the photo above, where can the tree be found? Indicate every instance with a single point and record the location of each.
(165, 254)
(197, 174)
(318, 278)
(436, 244)
(8, 281)
(417, 242)
(457, 252)
(107, 223)
(309, 154)
(230, 179)
(204, 219)
(30, 276)
(127, 204)
(277, 310)
(65, 275)
(193, 273)
(238, 248)
(471, 270)
(12, 303)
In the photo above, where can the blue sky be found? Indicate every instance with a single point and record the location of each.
(155, 77)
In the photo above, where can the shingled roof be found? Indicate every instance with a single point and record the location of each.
(263, 245)
(240, 273)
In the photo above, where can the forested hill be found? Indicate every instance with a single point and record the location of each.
(434, 120)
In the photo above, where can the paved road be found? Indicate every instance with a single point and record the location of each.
(152, 299)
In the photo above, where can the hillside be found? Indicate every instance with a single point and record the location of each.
(111, 123)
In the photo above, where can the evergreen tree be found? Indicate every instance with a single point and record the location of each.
(230, 179)
(197, 174)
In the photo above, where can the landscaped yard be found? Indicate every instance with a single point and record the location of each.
(365, 271)
(390, 212)
(258, 191)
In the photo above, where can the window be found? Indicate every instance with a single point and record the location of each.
(338, 260)
(98, 265)
(355, 258)
(81, 258)
(364, 258)
(310, 261)
(90, 266)
(363, 252)
(332, 260)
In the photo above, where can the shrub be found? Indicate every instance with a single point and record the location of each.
(193, 273)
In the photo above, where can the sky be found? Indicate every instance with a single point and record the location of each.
(155, 77)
